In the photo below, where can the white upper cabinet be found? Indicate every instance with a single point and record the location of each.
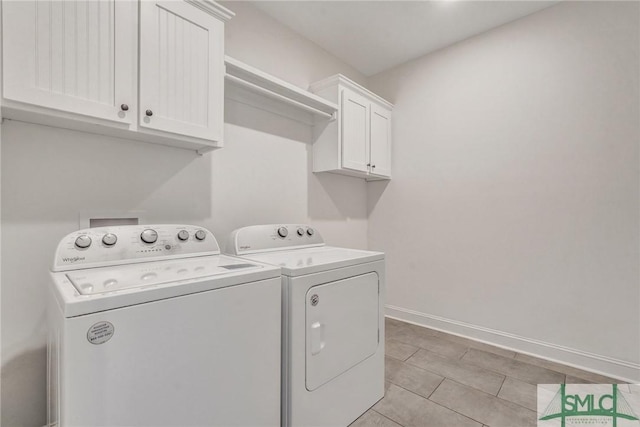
(181, 70)
(358, 143)
(72, 56)
(152, 71)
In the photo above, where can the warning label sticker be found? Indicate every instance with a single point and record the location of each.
(100, 333)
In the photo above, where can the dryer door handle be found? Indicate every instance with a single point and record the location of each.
(317, 337)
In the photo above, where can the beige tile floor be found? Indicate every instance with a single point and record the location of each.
(434, 379)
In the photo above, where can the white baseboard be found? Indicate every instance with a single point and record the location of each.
(596, 363)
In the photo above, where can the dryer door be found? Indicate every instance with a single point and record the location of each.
(341, 327)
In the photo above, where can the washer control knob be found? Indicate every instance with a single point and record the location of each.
(109, 239)
(300, 231)
(310, 231)
(183, 235)
(200, 234)
(149, 236)
(83, 242)
(283, 232)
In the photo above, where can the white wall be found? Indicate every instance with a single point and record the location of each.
(258, 40)
(514, 200)
(261, 176)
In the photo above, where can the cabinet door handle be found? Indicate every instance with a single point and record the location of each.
(149, 113)
(124, 107)
(368, 164)
(373, 166)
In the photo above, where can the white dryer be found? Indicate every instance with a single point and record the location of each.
(151, 326)
(333, 322)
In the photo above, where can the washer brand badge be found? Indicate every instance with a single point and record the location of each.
(245, 247)
(100, 333)
(563, 405)
(73, 259)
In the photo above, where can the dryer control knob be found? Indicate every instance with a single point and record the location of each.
(109, 239)
(300, 231)
(283, 232)
(310, 231)
(149, 236)
(83, 242)
(200, 235)
(183, 235)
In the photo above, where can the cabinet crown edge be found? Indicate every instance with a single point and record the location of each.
(340, 79)
(213, 8)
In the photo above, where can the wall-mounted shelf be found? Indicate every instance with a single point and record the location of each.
(251, 86)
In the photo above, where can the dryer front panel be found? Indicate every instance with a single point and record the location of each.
(342, 326)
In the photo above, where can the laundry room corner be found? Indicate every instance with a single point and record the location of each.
(516, 156)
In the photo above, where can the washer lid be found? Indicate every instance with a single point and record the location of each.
(299, 262)
(91, 290)
(109, 279)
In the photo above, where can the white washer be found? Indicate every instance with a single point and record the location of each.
(333, 322)
(151, 326)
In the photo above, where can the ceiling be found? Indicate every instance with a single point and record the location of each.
(374, 36)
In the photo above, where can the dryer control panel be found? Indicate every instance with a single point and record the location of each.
(272, 237)
(104, 246)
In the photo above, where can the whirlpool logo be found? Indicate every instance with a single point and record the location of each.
(614, 405)
(73, 259)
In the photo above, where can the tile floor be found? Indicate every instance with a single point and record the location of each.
(439, 380)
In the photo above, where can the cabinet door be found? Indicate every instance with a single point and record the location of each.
(181, 70)
(380, 141)
(73, 56)
(355, 131)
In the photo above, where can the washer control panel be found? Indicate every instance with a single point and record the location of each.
(104, 246)
(264, 238)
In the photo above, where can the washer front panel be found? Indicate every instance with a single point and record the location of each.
(208, 359)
